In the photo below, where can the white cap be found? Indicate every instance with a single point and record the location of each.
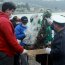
(58, 18)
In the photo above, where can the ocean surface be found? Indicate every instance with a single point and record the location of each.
(36, 14)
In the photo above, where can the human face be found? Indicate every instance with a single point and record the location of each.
(24, 22)
(55, 27)
(9, 12)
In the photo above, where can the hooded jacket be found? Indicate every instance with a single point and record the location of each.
(8, 42)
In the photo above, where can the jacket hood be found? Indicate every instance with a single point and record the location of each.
(2, 14)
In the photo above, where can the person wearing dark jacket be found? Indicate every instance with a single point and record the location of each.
(8, 42)
(14, 20)
(57, 50)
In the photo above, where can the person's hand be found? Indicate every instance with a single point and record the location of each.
(49, 20)
(26, 34)
(48, 50)
(19, 41)
(25, 51)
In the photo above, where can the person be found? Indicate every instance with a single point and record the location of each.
(8, 42)
(20, 32)
(57, 50)
(14, 20)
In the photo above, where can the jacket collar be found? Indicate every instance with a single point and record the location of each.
(2, 14)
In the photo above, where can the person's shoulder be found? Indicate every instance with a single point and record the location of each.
(3, 19)
(18, 27)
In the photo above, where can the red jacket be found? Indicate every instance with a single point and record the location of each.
(8, 42)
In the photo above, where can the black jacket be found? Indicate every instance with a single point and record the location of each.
(58, 48)
(13, 22)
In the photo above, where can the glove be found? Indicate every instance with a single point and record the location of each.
(19, 41)
(48, 50)
(25, 33)
(50, 21)
(25, 51)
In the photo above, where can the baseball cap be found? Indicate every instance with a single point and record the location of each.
(24, 18)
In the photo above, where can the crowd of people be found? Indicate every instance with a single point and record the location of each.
(13, 33)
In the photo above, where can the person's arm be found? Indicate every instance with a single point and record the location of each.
(56, 50)
(6, 29)
(19, 33)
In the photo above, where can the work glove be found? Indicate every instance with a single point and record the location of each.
(19, 41)
(48, 50)
(49, 20)
(26, 34)
(25, 51)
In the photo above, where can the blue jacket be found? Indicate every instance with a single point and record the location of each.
(19, 32)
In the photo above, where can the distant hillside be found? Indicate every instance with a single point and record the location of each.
(46, 4)
(53, 4)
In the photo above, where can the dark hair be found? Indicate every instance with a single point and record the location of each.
(15, 18)
(8, 5)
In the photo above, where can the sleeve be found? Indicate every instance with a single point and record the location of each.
(6, 29)
(56, 50)
(19, 33)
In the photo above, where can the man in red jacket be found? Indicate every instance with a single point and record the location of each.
(8, 43)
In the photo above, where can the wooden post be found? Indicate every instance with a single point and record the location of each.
(47, 60)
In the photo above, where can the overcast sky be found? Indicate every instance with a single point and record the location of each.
(34, 0)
